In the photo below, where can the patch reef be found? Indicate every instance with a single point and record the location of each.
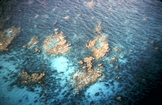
(89, 74)
(56, 44)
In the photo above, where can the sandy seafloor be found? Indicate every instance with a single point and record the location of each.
(135, 26)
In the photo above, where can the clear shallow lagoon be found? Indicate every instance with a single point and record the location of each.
(134, 26)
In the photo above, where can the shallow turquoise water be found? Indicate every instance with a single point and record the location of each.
(135, 26)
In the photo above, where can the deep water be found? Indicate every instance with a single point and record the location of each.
(134, 26)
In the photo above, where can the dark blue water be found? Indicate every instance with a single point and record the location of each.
(135, 26)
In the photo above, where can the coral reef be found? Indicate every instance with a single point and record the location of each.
(88, 61)
(91, 4)
(80, 62)
(56, 44)
(92, 43)
(87, 75)
(36, 50)
(99, 46)
(34, 78)
(113, 59)
(119, 98)
(33, 41)
(117, 49)
(98, 29)
(7, 36)
(36, 16)
(66, 17)
(116, 67)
